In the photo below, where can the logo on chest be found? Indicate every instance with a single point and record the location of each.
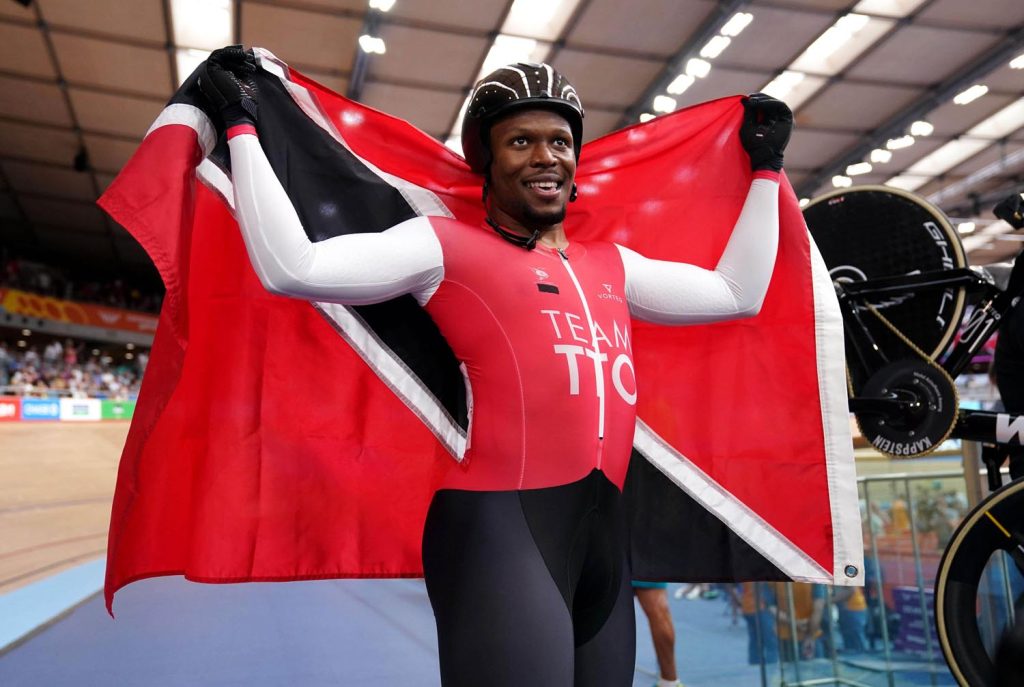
(544, 285)
(609, 293)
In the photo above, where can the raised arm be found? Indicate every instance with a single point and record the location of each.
(677, 293)
(354, 269)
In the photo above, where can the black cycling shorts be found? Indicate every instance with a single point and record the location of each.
(531, 587)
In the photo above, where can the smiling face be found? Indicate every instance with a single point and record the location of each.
(533, 167)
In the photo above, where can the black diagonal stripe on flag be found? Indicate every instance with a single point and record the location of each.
(321, 177)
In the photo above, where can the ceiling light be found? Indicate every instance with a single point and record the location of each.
(680, 84)
(947, 156)
(921, 128)
(542, 19)
(1017, 62)
(880, 155)
(971, 94)
(965, 227)
(804, 202)
(781, 85)
(899, 143)
(907, 182)
(201, 23)
(129, 356)
(698, 67)
(382, 5)
(834, 37)
(714, 47)
(737, 23)
(372, 44)
(839, 181)
(509, 50)
(889, 8)
(21, 343)
(26, 332)
(130, 347)
(646, 117)
(187, 60)
(841, 43)
(858, 169)
(663, 103)
(1002, 123)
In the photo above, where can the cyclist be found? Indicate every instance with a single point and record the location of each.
(1008, 365)
(523, 549)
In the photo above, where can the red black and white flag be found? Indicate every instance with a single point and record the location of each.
(277, 439)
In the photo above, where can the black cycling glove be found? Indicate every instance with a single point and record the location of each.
(226, 80)
(1011, 210)
(767, 124)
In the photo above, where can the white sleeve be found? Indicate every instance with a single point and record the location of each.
(355, 269)
(678, 293)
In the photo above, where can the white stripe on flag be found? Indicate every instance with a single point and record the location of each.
(192, 117)
(733, 513)
(388, 366)
(841, 473)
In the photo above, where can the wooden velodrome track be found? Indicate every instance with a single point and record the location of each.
(56, 485)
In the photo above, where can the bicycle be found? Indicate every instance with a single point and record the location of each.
(902, 280)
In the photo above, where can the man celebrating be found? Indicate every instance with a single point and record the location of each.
(523, 551)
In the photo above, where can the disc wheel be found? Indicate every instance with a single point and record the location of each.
(931, 406)
(996, 524)
(869, 232)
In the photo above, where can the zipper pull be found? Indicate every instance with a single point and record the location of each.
(562, 253)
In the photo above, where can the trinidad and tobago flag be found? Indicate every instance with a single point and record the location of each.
(277, 439)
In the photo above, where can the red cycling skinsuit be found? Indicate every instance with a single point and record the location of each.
(544, 338)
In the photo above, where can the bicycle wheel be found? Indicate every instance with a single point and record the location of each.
(960, 571)
(875, 231)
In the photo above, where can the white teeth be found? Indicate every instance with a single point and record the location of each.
(543, 185)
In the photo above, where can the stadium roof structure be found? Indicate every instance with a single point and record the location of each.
(923, 95)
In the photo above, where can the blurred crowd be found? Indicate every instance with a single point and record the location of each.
(69, 369)
(46, 280)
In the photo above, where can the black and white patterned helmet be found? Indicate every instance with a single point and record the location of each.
(517, 86)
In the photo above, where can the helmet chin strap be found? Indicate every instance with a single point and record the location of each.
(527, 242)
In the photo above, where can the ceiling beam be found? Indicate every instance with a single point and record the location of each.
(711, 26)
(361, 63)
(898, 124)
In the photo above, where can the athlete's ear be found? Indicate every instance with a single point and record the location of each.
(574, 193)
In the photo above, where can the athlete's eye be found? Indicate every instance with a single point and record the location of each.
(519, 141)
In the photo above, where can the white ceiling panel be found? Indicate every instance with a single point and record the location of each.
(775, 36)
(898, 58)
(38, 143)
(603, 80)
(430, 111)
(1006, 80)
(92, 62)
(429, 57)
(723, 82)
(993, 154)
(951, 119)
(23, 51)
(856, 106)
(315, 39)
(59, 181)
(994, 14)
(597, 122)
(134, 19)
(478, 16)
(64, 213)
(358, 6)
(653, 26)
(36, 102)
(809, 149)
(831, 5)
(108, 154)
(906, 157)
(114, 114)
